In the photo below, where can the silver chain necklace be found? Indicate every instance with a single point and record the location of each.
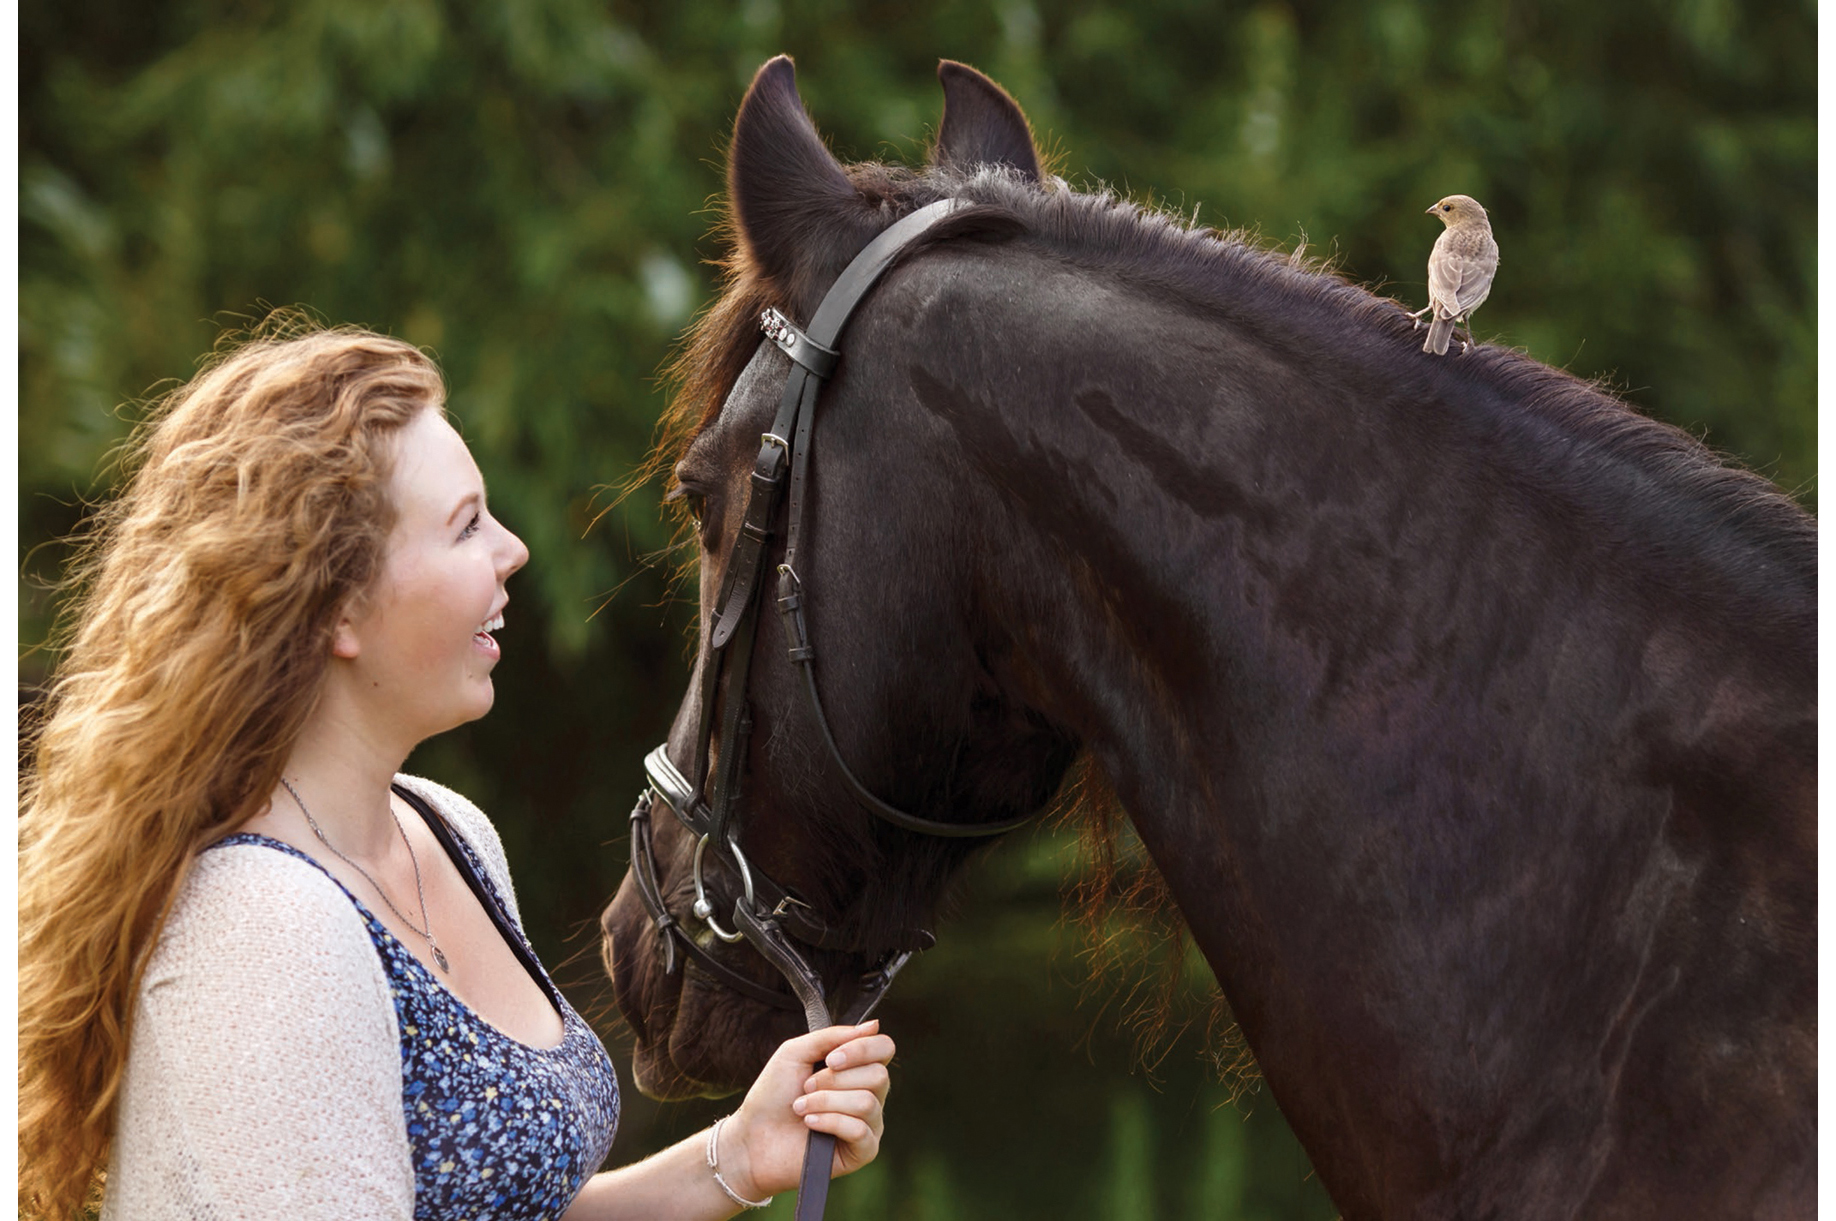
(426, 927)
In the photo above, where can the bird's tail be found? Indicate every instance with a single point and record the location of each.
(1438, 335)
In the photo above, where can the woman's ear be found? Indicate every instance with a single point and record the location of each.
(345, 641)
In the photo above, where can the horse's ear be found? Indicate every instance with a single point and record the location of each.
(981, 125)
(791, 199)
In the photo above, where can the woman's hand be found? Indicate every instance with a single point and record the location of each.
(761, 1147)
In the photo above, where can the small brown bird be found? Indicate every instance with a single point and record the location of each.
(1460, 270)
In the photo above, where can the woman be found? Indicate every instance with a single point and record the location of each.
(261, 973)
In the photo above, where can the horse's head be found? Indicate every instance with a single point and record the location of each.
(924, 700)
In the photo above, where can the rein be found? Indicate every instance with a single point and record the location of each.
(774, 921)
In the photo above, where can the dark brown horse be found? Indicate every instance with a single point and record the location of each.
(1469, 715)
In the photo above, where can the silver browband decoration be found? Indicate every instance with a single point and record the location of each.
(797, 345)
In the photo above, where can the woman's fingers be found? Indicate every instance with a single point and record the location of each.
(863, 1104)
(872, 1048)
(857, 1142)
(855, 1135)
(819, 1046)
(841, 1090)
(873, 1077)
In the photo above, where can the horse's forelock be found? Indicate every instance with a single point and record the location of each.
(712, 353)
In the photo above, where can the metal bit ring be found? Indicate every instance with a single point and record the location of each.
(703, 909)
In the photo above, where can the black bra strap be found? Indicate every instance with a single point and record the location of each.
(486, 900)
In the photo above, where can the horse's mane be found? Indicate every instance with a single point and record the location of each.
(1570, 432)
(1287, 300)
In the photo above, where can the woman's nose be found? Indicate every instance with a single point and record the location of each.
(512, 554)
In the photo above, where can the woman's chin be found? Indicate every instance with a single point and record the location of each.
(480, 699)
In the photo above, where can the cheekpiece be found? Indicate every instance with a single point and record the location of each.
(797, 345)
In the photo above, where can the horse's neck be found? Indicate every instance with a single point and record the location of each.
(1250, 564)
(1363, 711)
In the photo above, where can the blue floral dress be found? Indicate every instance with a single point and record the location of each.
(497, 1130)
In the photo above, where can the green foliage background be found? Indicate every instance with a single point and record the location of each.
(523, 187)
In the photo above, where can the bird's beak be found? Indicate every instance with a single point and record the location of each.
(1429, 210)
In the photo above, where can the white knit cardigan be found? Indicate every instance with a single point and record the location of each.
(264, 1073)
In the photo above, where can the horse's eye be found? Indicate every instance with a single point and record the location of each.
(696, 504)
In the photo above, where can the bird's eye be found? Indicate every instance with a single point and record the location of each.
(1446, 207)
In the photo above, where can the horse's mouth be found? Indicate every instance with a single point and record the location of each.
(656, 1076)
(710, 1048)
(694, 1040)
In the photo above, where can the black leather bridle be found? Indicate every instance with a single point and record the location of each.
(771, 918)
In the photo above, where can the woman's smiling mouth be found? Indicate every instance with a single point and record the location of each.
(482, 637)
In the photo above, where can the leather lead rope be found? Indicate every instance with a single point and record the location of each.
(819, 1151)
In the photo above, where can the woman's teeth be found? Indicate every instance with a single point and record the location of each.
(491, 625)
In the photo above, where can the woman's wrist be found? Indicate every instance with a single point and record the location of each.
(729, 1160)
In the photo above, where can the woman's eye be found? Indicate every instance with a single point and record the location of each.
(471, 527)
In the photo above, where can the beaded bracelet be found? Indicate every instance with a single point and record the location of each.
(714, 1166)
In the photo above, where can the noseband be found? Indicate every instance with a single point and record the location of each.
(772, 919)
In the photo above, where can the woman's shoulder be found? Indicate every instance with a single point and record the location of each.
(258, 929)
(255, 902)
(473, 826)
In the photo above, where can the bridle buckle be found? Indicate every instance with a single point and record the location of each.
(788, 902)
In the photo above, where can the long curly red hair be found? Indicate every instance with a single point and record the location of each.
(192, 652)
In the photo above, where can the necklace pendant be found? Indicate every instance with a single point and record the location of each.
(440, 957)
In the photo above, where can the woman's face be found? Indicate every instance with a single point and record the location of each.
(420, 643)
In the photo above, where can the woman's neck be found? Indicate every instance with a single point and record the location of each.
(342, 776)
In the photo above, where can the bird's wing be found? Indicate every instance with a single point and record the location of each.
(1459, 281)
